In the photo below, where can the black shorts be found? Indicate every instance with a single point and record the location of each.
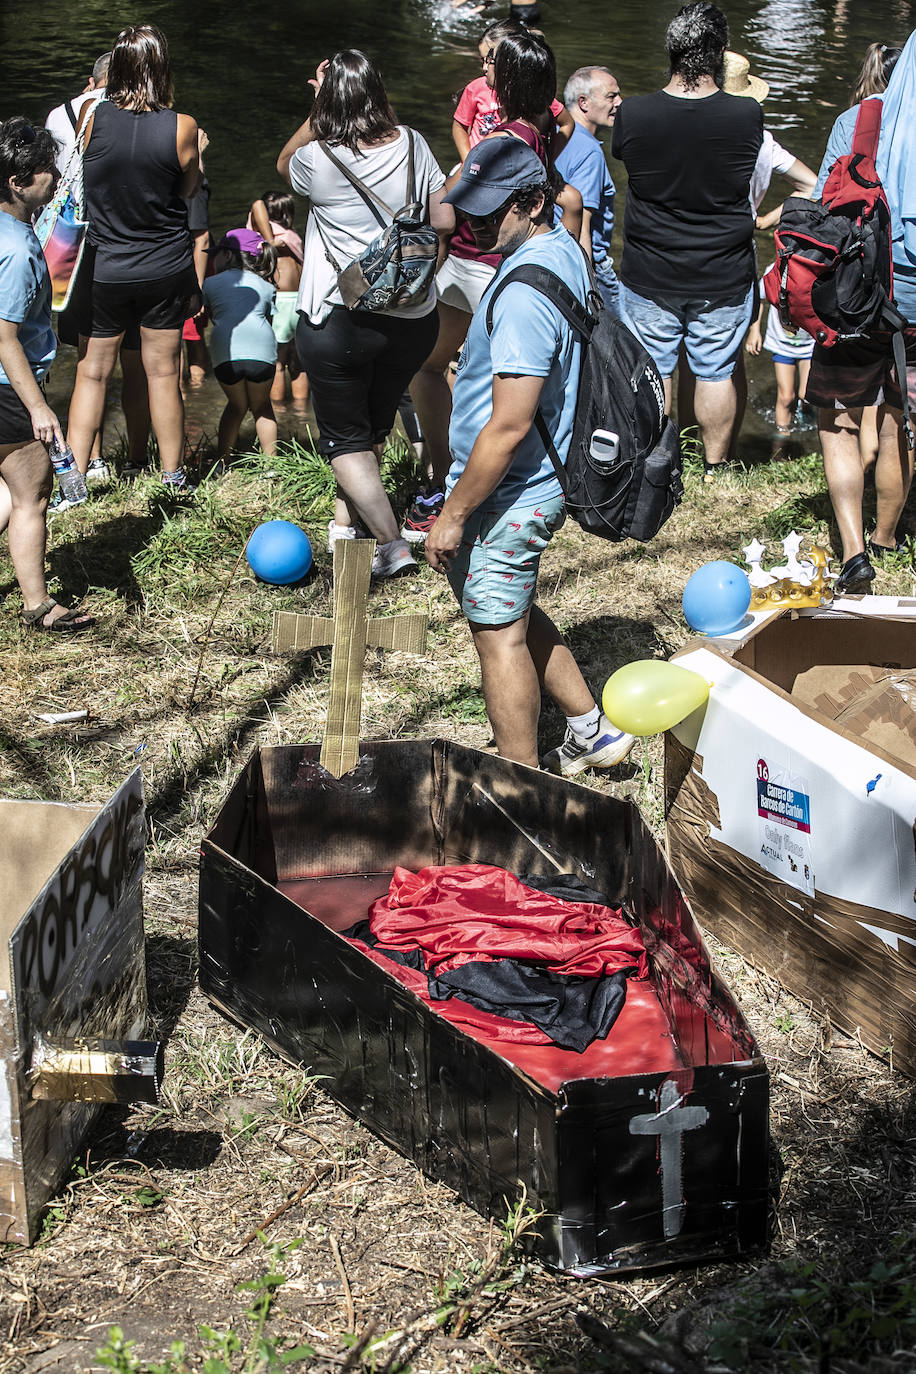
(15, 422)
(358, 365)
(119, 307)
(860, 372)
(76, 320)
(244, 370)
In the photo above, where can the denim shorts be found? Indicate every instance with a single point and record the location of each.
(495, 571)
(712, 334)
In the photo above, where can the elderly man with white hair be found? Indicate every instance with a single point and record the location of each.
(592, 97)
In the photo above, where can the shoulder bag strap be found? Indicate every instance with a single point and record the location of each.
(375, 203)
(70, 113)
(575, 314)
(411, 169)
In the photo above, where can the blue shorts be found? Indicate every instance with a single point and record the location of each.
(609, 286)
(712, 335)
(494, 575)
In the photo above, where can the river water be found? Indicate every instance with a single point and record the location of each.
(242, 71)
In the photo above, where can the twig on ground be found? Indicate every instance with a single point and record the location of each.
(348, 1295)
(316, 1178)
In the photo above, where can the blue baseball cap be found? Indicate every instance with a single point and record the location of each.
(491, 172)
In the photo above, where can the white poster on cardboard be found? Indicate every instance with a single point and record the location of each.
(784, 826)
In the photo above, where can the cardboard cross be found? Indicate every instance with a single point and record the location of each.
(669, 1123)
(348, 633)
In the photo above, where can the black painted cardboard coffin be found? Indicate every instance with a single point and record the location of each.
(72, 987)
(647, 1149)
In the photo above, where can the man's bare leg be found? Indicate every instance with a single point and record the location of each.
(716, 407)
(516, 661)
(511, 688)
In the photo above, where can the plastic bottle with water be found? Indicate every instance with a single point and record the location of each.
(70, 480)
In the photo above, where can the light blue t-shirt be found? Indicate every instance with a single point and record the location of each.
(240, 304)
(838, 145)
(582, 164)
(25, 294)
(530, 338)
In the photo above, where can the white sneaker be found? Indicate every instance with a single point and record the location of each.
(336, 532)
(393, 560)
(97, 471)
(574, 755)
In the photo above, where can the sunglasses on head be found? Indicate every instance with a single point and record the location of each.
(26, 135)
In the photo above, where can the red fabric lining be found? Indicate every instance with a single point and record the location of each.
(456, 914)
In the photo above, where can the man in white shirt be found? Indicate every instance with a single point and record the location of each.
(62, 121)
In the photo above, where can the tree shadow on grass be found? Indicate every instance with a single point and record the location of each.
(103, 557)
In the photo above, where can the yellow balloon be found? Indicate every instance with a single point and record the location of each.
(651, 695)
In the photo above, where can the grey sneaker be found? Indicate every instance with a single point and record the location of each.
(393, 560)
(573, 756)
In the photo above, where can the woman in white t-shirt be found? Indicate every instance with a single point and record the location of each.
(358, 362)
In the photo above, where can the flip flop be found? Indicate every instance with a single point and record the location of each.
(71, 622)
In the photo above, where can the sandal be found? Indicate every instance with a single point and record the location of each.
(71, 622)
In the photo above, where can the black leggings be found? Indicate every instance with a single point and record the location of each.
(359, 364)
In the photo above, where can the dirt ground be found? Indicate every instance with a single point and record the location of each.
(247, 1173)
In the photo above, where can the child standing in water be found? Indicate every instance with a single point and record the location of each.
(239, 298)
(272, 218)
(791, 351)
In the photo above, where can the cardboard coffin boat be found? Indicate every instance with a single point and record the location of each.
(648, 1148)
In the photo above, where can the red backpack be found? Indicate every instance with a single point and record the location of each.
(833, 275)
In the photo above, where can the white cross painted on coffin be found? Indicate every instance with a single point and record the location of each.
(669, 1123)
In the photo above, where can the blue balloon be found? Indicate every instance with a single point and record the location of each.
(279, 552)
(716, 598)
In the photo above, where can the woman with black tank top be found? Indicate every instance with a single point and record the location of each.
(140, 160)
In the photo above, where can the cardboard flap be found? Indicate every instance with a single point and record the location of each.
(876, 704)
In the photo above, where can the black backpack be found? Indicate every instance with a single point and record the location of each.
(630, 494)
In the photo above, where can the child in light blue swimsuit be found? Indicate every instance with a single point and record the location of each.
(239, 298)
(272, 217)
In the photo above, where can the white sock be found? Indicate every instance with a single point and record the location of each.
(585, 727)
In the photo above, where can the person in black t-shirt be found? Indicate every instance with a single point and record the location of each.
(688, 268)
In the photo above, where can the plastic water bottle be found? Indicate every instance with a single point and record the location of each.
(70, 480)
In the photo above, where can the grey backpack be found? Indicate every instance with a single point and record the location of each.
(399, 265)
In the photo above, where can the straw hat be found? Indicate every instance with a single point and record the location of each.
(738, 79)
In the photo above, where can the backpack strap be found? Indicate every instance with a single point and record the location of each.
(552, 286)
(375, 203)
(899, 350)
(868, 130)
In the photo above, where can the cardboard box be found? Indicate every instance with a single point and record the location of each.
(71, 918)
(791, 831)
(649, 1148)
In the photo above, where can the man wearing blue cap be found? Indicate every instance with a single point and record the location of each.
(503, 500)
